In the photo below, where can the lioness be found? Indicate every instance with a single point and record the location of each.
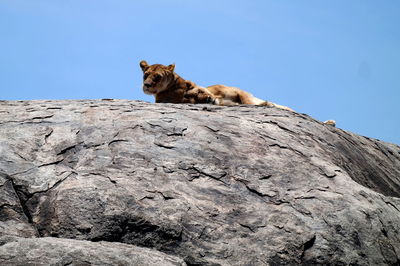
(168, 87)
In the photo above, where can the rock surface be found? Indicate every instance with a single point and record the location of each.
(57, 251)
(194, 184)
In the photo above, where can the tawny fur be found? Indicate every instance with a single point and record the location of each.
(162, 82)
(330, 123)
(168, 87)
(224, 95)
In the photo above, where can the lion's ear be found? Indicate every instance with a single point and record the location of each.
(171, 67)
(143, 65)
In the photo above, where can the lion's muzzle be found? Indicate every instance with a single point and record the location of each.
(147, 88)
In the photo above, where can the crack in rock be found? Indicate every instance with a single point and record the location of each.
(306, 246)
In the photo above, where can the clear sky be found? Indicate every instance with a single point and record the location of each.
(329, 59)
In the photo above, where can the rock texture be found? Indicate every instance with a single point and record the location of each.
(191, 184)
(57, 251)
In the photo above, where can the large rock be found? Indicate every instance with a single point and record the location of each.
(209, 185)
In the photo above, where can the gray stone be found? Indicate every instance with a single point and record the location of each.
(59, 251)
(242, 185)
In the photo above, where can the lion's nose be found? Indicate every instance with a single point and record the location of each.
(147, 85)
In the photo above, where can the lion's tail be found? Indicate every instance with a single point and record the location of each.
(330, 123)
(270, 104)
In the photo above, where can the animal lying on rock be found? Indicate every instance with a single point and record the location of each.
(168, 87)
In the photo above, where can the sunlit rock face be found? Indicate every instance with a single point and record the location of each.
(123, 182)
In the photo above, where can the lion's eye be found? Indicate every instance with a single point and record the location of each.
(157, 78)
(145, 76)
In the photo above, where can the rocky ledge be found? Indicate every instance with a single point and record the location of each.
(117, 182)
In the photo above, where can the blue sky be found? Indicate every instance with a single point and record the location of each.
(329, 59)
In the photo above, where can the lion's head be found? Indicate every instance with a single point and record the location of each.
(156, 78)
(199, 95)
